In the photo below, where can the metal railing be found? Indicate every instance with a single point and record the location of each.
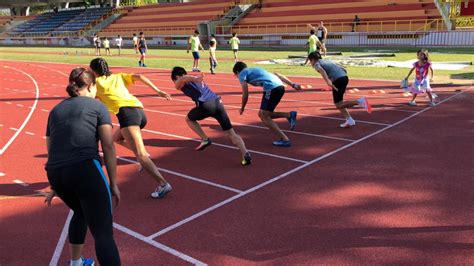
(362, 26)
(150, 31)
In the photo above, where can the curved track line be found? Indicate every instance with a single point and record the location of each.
(61, 241)
(29, 115)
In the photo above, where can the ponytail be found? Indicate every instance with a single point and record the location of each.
(100, 66)
(79, 79)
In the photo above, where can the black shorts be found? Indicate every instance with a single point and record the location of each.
(272, 98)
(131, 116)
(235, 50)
(213, 108)
(196, 55)
(142, 51)
(340, 84)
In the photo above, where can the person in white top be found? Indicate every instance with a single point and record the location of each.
(118, 42)
(135, 43)
(234, 44)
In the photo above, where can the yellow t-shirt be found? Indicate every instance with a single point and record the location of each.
(195, 42)
(112, 91)
(106, 44)
(234, 43)
(313, 43)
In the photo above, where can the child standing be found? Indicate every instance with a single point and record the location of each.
(234, 45)
(142, 48)
(208, 104)
(107, 46)
(212, 56)
(118, 42)
(336, 77)
(195, 44)
(421, 83)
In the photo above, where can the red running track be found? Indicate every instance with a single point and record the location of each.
(394, 189)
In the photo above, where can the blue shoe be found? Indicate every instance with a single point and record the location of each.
(88, 262)
(292, 120)
(282, 143)
(143, 65)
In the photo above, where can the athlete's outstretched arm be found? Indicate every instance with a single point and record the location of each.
(147, 82)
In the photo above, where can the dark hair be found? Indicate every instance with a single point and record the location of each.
(238, 67)
(212, 43)
(134, 34)
(314, 56)
(100, 66)
(177, 71)
(141, 32)
(233, 34)
(426, 56)
(196, 31)
(312, 32)
(212, 35)
(78, 80)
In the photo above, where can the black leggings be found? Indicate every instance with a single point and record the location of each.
(85, 190)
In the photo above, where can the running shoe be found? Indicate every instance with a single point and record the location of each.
(140, 63)
(349, 123)
(247, 160)
(88, 262)
(432, 103)
(204, 144)
(292, 120)
(282, 143)
(412, 103)
(365, 104)
(161, 191)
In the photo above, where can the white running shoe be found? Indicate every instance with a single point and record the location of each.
(161, 191)
(349, 123)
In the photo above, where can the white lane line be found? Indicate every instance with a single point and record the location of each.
(158, 245)
(260, 127)
(2, 174)
(29, 133)
(44, 110)
(14, 129)
(43, 137)
(45, 94)
(21, 105)
(29, 115)
(220, 204)
(226, 146)
(20, 182)
(62, 239)
(186, 176)
(8, 102)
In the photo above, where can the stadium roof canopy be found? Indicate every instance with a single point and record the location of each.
(16, 3)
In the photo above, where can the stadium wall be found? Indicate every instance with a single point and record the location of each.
(400, 39)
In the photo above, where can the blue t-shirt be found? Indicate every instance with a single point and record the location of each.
(333, 71)
(199, 92)
(260, 77)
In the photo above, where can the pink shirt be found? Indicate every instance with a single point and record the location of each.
(421, 71)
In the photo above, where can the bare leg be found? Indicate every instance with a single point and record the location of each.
(413, 97)
(430, 96)
(279, 115)
(133, 137)
(236, 140)
(342, 106)
(76, 251)
(266, 117)
(196, 128)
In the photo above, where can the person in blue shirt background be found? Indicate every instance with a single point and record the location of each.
(273, 91)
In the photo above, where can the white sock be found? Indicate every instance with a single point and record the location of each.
(76, 262)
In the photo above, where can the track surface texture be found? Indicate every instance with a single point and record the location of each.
(394, 189)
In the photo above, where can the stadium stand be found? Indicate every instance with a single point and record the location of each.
(338, 15)
(50, 23)
(168, 18)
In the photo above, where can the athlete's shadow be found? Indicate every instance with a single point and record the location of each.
(18, 190)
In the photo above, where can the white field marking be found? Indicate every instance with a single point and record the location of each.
(185, 176)
(2, 174)
(29, 115)
(14, 129)
(29, 133)
(21, 105)
(43, 137)
(44, 110)
(326, 117)
(16, 90)
(1, 125)
(250, 190)
(259, 127)
(46, 94)
(226, 146)
(62, 239)
(55, 95)
(158, 245)
(8, 102)
(20, 182)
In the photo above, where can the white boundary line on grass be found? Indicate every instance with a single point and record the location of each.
(29, 115)
(61, 241)
(220, 204)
